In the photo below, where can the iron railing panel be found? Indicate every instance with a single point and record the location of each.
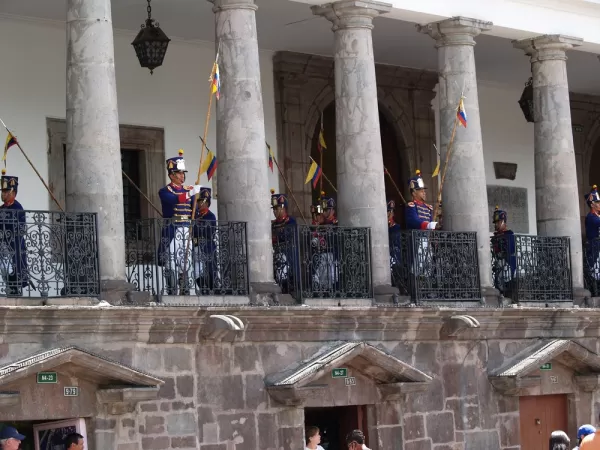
(532, 269)
(591, 266)
(48, 254)
(323, 261)
(163, 258)
(436, 267)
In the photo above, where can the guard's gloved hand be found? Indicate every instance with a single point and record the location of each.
(431, 225)
(194, 191)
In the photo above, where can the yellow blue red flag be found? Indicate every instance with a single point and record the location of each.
(314, 173)
(209, 165)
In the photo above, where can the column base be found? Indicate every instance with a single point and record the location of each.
(583, 298)
(492, 297)
(117, 292)
(267, 294)
(388, 294)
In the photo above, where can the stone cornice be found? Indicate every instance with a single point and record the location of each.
(295, 66)
(190, 324)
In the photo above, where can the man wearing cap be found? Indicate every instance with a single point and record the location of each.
(419, 215)
(504, 251)
(582, 432)
(13, 254)
(285, 248)
(592, 233)
(176, 200)
(10, 439)
(204, 233)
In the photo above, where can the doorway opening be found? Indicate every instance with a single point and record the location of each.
(539, 416)
(335, 423)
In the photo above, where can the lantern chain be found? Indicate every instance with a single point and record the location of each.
(149, 9)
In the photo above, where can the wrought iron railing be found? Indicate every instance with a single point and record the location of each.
(436, 267)
(323, 261)
(591, 266)
(48, 254)
(532, 269)
(163, 258)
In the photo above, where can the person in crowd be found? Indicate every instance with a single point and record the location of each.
(174, 252)
(592, 233)
(559, 440)
(285, 249)
(582, 432)
(204, 232)
(419, 215)
(10, 438)
(74, 441)
(313, 438)
(356, 440)
(504, 251)
(13, 260)
(589, 442)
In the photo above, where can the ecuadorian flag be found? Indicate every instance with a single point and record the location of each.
(216, 82)
(461, 113)
(209, 165)
(271, 157)
(314, 173)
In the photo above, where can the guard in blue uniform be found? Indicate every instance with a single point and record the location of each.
(174, 252)
(592, 234)
(419, 215)
(205, 227)
(285, 248)
(13, 253)
(325, 252)
(395, 243)
(504, 252)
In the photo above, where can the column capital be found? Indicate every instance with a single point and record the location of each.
(351, 13)
(548, 46)
(455, 31)
(221, 5)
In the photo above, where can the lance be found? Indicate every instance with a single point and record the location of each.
(325, 176)
(141, 193)
(395, 185)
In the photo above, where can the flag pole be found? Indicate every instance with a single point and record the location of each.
(447, 160)
(33, 167)
(319, 146)
(394, 184)
(288, 188)
(325, 176)
(141, 193)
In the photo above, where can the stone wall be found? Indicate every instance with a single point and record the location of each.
(214, 395)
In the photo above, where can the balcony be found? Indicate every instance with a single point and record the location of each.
(532, 270)
(436, 267)
(48, 254)
(323, 262)
(163, 258)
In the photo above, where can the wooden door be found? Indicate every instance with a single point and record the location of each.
(539, 416)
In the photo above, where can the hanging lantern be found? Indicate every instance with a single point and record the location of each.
(151, 43)
(526, 100)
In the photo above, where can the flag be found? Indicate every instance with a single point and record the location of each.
(209, 165)
(321, 143)
(314, 173)
(216, 81)
(461, 114)
(10, 141)
(271, 157)
(436, 171)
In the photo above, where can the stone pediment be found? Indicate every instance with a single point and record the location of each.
(116, 383)
(523, 372)
(310, 378)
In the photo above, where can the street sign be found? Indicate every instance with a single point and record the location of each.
(47, 377)
(339, 373)
(350, 381)
(547, 366)
(71, 391)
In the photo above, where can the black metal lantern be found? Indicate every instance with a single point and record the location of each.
(151, 43)
(526, 100)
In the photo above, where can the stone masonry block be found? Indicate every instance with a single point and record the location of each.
(487, 440)
(440, 427)
(245, 358)
(131, 446)
(414, 427)
(167, 390)
(105, 439)
(508, 404)
(153, 425)
(390, 436)
(183, 442)
(389, 413)
(256, 395)
(275, 357)
(148, 407)
(459, 380)
(466, 416)
(149, 358)
(177, 359)
(510, 431)
(289, 437)
(430, 400)
(185, 386)
(267, 431)
(105, 424)
(213, 359)
(421, 444)
(158, 443)
(181, 424)
(180, 406)
(224, 391)
(214, 447)
(238, 428)
(426, 358)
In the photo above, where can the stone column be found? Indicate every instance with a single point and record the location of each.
(93, 175)
(361, 187)
(556, 190)
(464, 191)
(243, 180)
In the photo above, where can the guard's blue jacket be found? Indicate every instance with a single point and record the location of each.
(418, 215)
(12, 235)
(178, 208)
(592, 233)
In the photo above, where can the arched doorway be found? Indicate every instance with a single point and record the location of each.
(393, 149)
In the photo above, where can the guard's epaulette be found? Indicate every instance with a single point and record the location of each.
(188, 188)
(411, 204)
(171, 189)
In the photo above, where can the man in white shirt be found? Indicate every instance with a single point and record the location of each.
(356, 441)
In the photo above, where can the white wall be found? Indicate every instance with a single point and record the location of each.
(32, 88)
